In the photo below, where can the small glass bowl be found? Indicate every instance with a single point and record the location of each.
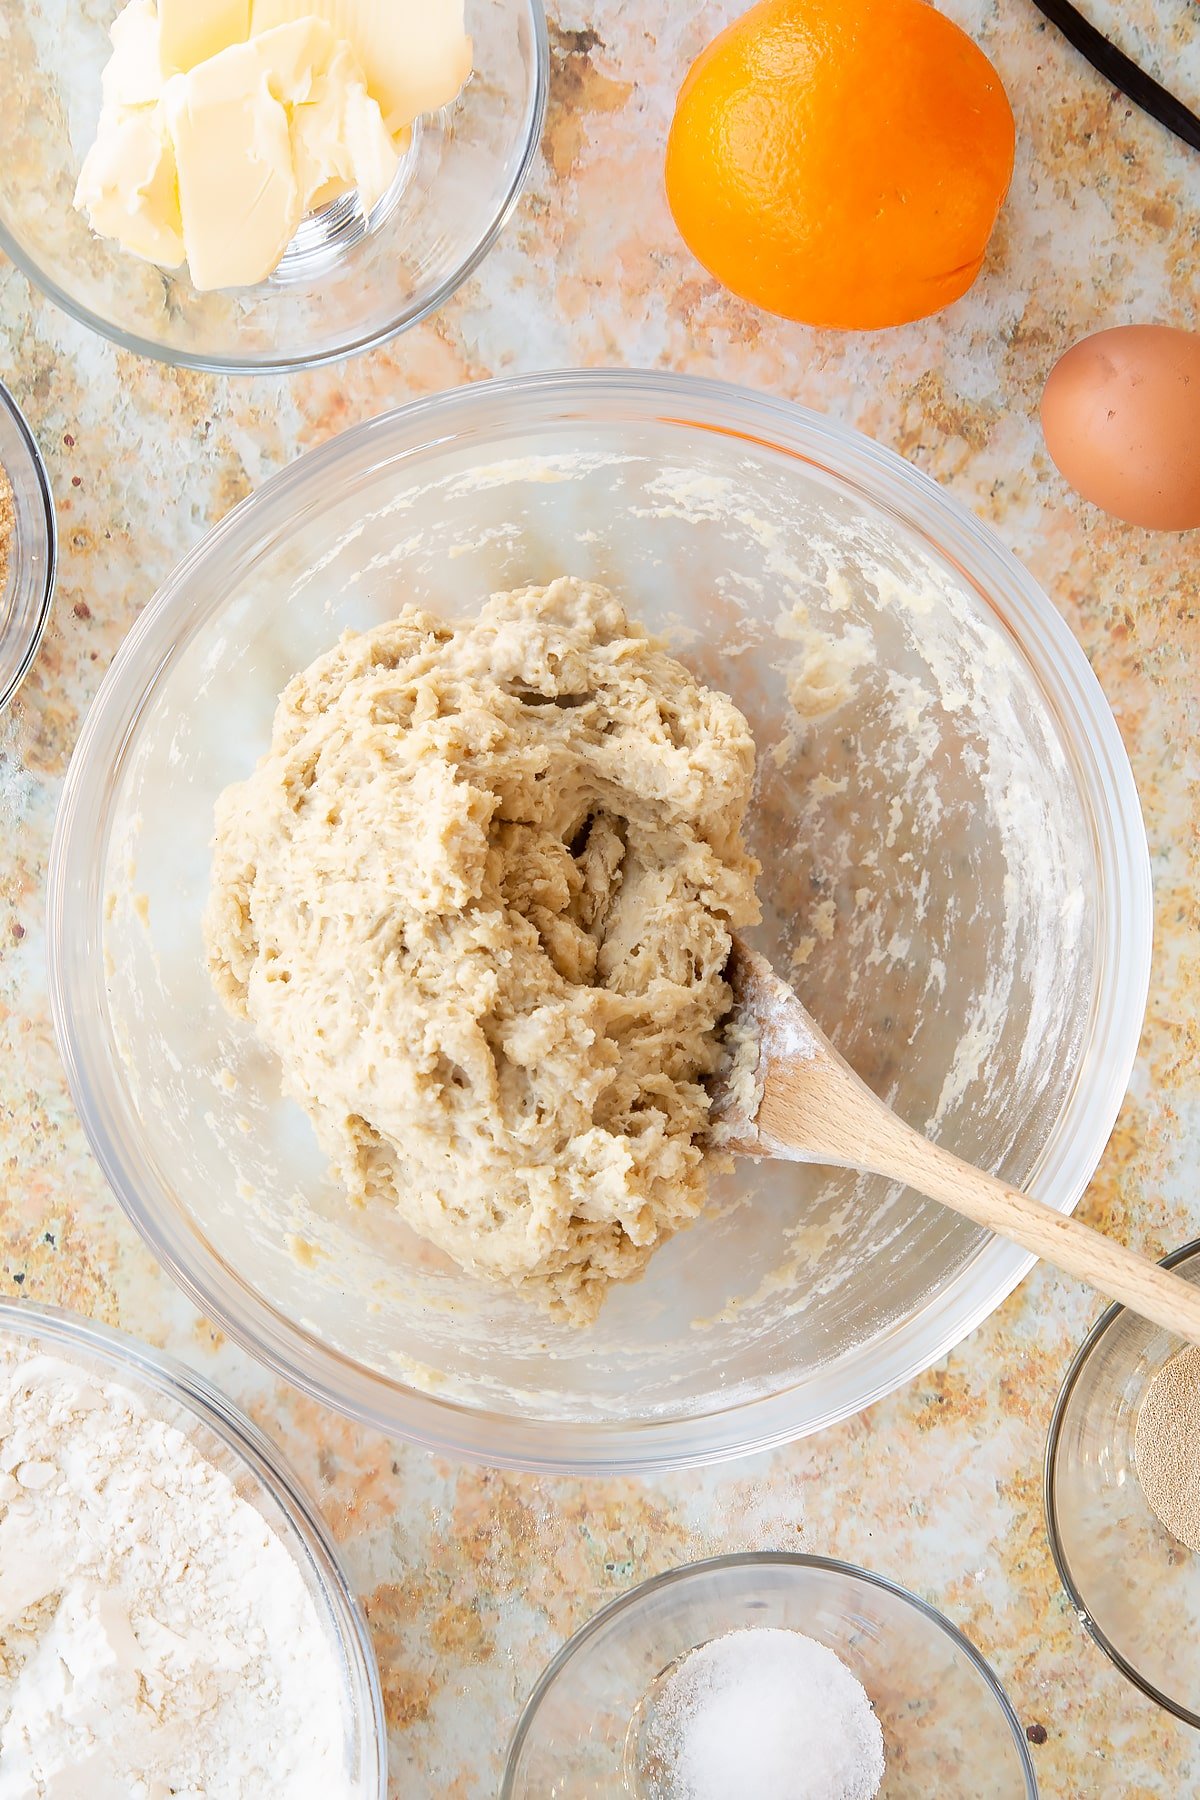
(228, 1440)
(27, 586)
(948, 1726)
(345, 283)
(1135, 1587)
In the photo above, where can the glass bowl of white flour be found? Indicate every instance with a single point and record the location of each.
(173, 1617)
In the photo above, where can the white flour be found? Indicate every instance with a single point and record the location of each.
(156, 1638)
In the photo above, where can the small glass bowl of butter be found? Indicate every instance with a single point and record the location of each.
(258, 185)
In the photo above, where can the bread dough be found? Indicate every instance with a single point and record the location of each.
(477, 899)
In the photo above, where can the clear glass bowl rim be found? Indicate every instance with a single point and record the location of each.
(759, 1559)
(411, 315)
(889, 485)
(37, 464)
(266, 1462)
(1074, 1594)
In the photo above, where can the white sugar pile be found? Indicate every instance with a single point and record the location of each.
(766, 1713)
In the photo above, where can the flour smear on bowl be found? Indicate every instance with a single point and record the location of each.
(156, 1637)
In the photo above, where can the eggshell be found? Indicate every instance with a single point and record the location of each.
(1121, 415)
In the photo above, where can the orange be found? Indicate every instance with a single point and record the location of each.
(841, 162)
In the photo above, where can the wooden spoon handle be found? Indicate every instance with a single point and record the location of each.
(812, 1107)
(1123, 1274)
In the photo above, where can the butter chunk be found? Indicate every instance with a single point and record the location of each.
(218, 161)
(339, 140)
(190, 31)
(131, 75)
(293, 56)
(263, 132)
(415, 54)
(238, 194)
(127, 186)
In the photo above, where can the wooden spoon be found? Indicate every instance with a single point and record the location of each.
(791, 1096)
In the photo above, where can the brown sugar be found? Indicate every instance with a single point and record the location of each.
(8, 526)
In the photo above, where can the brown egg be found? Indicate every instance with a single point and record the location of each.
(1121, 414)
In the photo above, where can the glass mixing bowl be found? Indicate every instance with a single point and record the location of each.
(1135, 1587)
(948, 1726)
(345, 282)
(955, 876)
(256, 1468)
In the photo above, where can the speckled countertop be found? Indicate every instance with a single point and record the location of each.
(472, 1579)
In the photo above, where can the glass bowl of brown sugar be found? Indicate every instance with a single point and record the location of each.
(28, 547)
(1123, 1498)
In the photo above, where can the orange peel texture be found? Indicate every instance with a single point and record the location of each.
(841, 162)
